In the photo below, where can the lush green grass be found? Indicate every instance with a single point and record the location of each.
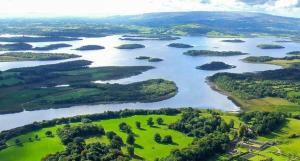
(286, 145)
(145, 146)
(32, 151)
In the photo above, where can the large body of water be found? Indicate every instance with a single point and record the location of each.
(193, 90)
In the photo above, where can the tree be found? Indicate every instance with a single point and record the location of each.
(18, 142)
(48, 134)
(138, 124)
(231, 123)
(167, 139)
(150, 122)
(159, 121)
(130, 150)
(36, 137)
(116, 142)
(157, 137)
(30, 139)
(130, 139)
(125, 128)
(110, 134)
(242, 131)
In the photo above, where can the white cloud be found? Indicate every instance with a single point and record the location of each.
(121, 7)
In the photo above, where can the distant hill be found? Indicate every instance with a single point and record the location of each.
(180, 23)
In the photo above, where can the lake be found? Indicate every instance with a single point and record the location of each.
(193, 89)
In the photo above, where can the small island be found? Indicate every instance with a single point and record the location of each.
(180, 45)
(29, 56)
(297, 53)
(155, 60)
(90, 47)
(213, 53)
(215, 66)
(52, 47)
(149, 59)
(270, 46)
(15, 47)
(234, 41)
(143, 58)
(130, 46)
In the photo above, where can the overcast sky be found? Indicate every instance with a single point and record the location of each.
(97, 8)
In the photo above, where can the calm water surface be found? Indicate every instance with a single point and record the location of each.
(193, 90)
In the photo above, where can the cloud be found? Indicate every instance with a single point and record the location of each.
(124, 7)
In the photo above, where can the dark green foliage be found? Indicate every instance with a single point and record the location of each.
(263, 122)
(116, 142)
(67, 134)
(15, 47)
(150, 122)
(18, 142)
(138, 124)
(270, 46)
(130, 139)
(167, 139)
(212, 53)
(193, 124)
(125, 128)
(202, 148)
(160, 121)
(157, 138)
(90, 47)
(282, 83)
(262, 59)
(49, 134)
(294, 53)
(155, 60)
(180, 45)
(110, 134)
(79, 151)
(130, 150)
(234, 41)
(52, 47)
(215, 66)
(130, 46)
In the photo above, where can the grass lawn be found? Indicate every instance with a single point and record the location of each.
(145, 146)
(286, 145)
(32, 151)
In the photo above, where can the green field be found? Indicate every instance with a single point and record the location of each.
(145, 146)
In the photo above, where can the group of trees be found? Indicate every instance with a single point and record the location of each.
(194, 124)
(263, 122)
(68, 133)
(77, 150)
(166, 140)
(201, 148)
(282, 83)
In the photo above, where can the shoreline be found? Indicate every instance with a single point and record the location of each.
(214, 87)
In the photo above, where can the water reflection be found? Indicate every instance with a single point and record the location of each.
(193, 90)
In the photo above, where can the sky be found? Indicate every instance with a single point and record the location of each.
(100, 8)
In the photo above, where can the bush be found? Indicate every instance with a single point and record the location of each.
(130, 139)
(167, 139)
(157, 138)
(150, 122)
(130, 150)
(138, 124)
(48, 134)
(160, 121)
